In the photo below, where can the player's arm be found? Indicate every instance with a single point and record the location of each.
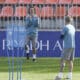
(63, 33)
(62, 36)
(27, 22)
(38, 21)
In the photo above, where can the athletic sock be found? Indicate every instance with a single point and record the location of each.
(34, 56)
(60, 75)
(69, 75)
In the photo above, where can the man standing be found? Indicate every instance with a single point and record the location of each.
(32, 24)
(68, 36)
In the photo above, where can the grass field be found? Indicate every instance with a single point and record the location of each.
(43, 69)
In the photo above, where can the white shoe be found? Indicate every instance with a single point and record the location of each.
(58, 78)
(68, 77)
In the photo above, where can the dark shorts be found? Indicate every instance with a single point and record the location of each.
(31, 39)
(68, 54)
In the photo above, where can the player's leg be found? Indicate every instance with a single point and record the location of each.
(34, 51)
(66, 55)
(60, 74)
(70, 65)
(27, 47)
(62, 65)
(70, 62)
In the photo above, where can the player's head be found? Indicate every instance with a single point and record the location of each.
(68, 20)
(31, 11)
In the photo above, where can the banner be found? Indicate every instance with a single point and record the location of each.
(48, 44)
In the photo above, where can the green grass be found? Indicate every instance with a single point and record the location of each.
(37, 76)
(43, 65)
(43, 69)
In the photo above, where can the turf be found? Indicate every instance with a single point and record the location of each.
(43, 69)
(37, 76)
(43, 65)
